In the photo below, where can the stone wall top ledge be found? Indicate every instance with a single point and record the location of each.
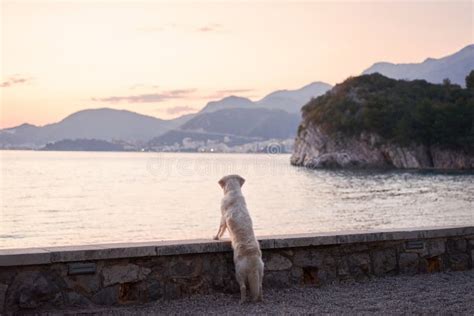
(46, 255)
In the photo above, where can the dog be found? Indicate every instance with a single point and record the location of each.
(247, 255)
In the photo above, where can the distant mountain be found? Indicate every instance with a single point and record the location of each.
(230, 102)
(257, 122)
(455, 67)
(103, 124)
(234, 126)
(24, 135)
(180, 120)
(287, 100)
(292, 100)
(107, 124)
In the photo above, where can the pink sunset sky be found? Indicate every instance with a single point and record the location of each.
(169, 58)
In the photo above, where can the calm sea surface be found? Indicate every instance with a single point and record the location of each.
(65, 198)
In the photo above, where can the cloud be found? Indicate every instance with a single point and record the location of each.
(209, 28)
(14, 80)
(149, 97)
(232, 91)
(228, 92)
(143, 86)
(180, 109)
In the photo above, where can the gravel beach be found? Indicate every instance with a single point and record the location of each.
(440, 293)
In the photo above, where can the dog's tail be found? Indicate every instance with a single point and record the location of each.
(255, 279)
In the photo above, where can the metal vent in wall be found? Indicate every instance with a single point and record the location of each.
(414, 244)
(81, 268)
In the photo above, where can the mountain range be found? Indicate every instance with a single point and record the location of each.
(113, 125)
(233, 119)
(455, 67)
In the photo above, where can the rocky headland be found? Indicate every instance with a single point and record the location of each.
(375, 122)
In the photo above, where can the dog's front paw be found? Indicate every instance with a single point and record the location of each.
(215, 237)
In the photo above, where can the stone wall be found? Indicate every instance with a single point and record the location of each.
(65, 277)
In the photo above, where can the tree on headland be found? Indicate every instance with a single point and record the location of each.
(470, 80)
(446, 82)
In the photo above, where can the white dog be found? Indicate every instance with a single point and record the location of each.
(247, 255)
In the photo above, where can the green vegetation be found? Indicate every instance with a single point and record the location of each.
(470, 80)
(402, 112)
(83, 145)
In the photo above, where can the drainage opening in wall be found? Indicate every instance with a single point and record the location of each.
(433, 264)
(310, 276)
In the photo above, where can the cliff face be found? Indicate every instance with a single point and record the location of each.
(316, 149)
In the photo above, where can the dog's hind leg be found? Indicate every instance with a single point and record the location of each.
(243, 289)
(256, 280)
(260, 280)
(255, 285)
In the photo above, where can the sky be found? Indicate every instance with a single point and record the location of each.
(169, 58)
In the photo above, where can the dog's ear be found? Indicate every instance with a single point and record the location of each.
(222, 183)
(241, 180)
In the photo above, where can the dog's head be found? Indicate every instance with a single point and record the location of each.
(231, 181)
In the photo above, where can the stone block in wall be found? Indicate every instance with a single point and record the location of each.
(355, 266)
(408, 263)
(7, 274)
(384, 261)
(327, 274)
(313, 258)
(83, 283)
(33, 289)
(3, 293)
(107, 296)
(123, 274)
(434, 247)
(353, 248)
(185, 266)
(219, 269)
(151, 289)
(193, 285)
(470, 241)
(296, 275)
(276, 279)
(457, 245)
(276, 262)
(171, 290)
(77, 300)
(148, 290)
(458, 261)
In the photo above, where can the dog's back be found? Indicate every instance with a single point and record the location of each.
(238, 221)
